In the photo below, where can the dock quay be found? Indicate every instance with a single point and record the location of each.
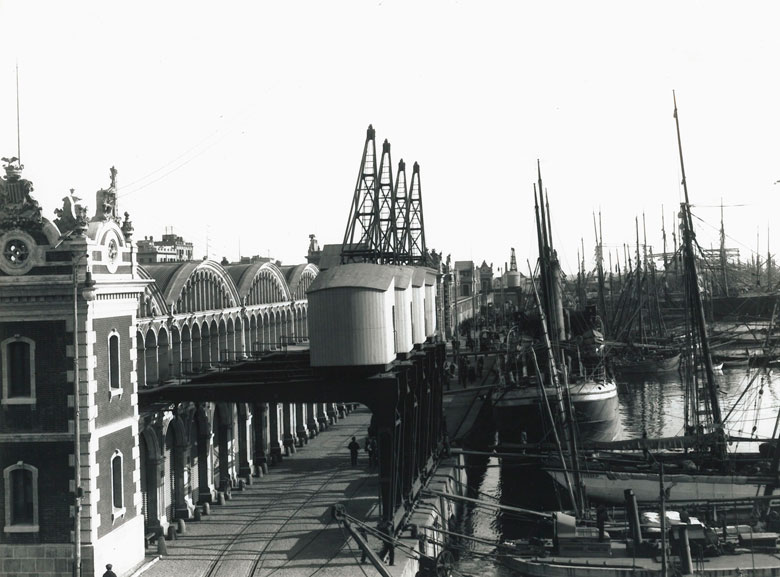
(282, 523)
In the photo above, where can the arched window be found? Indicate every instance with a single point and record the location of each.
(117, 486)
(114, 379)
(17, 358)
(21, 498)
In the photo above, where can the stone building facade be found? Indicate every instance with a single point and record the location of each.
(77, 312)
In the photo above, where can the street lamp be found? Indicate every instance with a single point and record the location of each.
(88, 292)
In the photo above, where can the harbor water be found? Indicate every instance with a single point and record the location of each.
(655, 405)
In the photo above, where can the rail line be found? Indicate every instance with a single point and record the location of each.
(256, 565)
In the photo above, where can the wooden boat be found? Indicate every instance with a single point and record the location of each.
(531, 407)
(735, 364)
(705, 470)
(576, 550)
(522, 409)
(609, 485)
(648, 364)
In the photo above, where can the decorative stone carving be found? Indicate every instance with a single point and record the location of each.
(72, 216)
(127, 227)
(18, 210)
(106, 208)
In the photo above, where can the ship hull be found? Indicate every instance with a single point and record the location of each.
(523, 410)
(648, 366)
(610, 486)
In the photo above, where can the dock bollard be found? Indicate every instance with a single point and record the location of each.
(241, 484)
(181, 527)
(206, 508)
(162, 548)
(198, 515)
(220, 498)
(171, 533)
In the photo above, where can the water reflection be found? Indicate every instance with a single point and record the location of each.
(654, 404)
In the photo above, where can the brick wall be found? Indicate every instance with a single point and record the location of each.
(54, 496)
(123, 441)
(36, 560)
(116, 408)
(50, 413)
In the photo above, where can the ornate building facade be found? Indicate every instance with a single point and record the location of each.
(83, 327)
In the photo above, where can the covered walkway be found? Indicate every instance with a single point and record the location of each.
(281, 524)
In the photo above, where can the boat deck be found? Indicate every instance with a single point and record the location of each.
(622, 563)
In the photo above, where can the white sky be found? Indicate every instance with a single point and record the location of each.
(245, 121)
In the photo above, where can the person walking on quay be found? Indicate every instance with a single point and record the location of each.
(109, 572)
(353, 447)
(371, 450)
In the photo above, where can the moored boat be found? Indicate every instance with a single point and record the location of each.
(522, 409)
(647, 365)
(706, 470)
(534, 406)
(587, 551)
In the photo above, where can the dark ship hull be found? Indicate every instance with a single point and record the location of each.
(521, 410)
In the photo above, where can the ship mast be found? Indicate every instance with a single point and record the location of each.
(723, 253)
(600, 273)
(698, 307)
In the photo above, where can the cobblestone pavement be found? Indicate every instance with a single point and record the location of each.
(281, 524)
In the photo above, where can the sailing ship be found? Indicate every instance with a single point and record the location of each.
(536, 398)
(703, 470)
(640, 345)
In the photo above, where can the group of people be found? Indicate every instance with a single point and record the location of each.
(468, 373)
(370, 447)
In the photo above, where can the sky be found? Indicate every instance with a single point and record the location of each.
(240, 125)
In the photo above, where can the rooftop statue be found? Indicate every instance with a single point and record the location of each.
(17, 208)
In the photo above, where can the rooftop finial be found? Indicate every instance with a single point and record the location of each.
(13, 168)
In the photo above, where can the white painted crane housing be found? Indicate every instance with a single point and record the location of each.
(351, 316)
(430, 303)
(403, 309)
(418, 306)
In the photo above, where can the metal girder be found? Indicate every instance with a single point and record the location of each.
(415, 226)
(361, 241)
(406, 402)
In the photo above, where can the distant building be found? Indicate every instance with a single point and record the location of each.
(468, 281)
(314, 253)
(486, 277)
(172, 248)
(256, 259)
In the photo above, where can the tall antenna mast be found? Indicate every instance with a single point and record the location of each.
(18, 132)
